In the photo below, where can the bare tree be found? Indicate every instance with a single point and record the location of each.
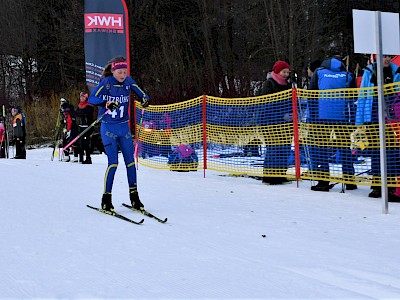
(179, 50)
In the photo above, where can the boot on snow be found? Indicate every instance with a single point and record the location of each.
(87, 161)
(106, 203)
(134, 197)
(322, 186)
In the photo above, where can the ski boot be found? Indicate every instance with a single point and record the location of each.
(87, 161)
(66, 156)
(350, 186)
(375, 193)
(134, 197)
(106, 203)
(322, 186)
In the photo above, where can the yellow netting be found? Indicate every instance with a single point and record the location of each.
(256, 135)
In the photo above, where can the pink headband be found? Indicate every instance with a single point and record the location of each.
(119, 65)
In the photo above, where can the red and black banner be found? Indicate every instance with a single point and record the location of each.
(106, 36)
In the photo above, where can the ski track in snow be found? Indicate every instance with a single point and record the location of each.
(316, 245)
(368, 285)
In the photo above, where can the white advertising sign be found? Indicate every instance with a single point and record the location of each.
(365, 32)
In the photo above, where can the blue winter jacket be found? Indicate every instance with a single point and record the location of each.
(110, 89)
(331, 75)
(366, 104)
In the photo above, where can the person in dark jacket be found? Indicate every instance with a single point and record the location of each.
(84, 116)
(279, 112)
(70, 129)
(312, 66)
(19, 132)
(278, 79)
(330, 110)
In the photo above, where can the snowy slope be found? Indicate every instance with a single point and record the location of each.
(316, 245)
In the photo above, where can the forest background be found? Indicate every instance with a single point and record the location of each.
(180, 49)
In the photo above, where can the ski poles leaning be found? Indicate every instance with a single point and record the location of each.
(83, 132)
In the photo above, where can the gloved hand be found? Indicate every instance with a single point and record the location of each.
(68, 134)
(358, 140)
(145, 101)
(112, 105)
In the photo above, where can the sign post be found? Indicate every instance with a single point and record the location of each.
(384, 32)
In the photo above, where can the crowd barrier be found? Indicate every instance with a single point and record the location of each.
(299, 134)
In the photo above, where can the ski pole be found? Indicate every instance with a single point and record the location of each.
(138, 137)
(83, 132)
(56, 135)
(358, 174)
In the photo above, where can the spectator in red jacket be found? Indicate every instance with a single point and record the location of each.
(84, 117)
(70, 129)
(2, 138)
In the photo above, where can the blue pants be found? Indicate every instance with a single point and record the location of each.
(320, 158)
(277, 157)
(118, 136)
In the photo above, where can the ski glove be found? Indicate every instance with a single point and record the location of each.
(358, 139)
(68, 134)
(112, 105)
(145, 101)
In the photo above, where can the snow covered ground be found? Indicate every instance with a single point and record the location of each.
(225, 238)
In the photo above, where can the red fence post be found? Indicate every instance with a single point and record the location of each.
(204, 134)
(296, 143)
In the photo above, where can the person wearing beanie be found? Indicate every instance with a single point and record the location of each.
(280, 113)
(70, 129)
(279, 79)
(312, 67)
(330, 111)
(84, 117)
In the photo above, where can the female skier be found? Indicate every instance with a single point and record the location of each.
(112, 94)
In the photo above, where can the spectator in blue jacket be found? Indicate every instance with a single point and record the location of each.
(367, 114)
(367, 107)
(330, 110)
(112, 97)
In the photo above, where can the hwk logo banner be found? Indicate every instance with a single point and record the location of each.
(100, 22)
(106, 31)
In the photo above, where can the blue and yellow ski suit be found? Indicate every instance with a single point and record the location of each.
(115, 131)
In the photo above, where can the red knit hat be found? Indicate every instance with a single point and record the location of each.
(280, 65)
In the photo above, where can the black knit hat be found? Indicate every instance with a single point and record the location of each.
(17, 108)
(314, 65)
